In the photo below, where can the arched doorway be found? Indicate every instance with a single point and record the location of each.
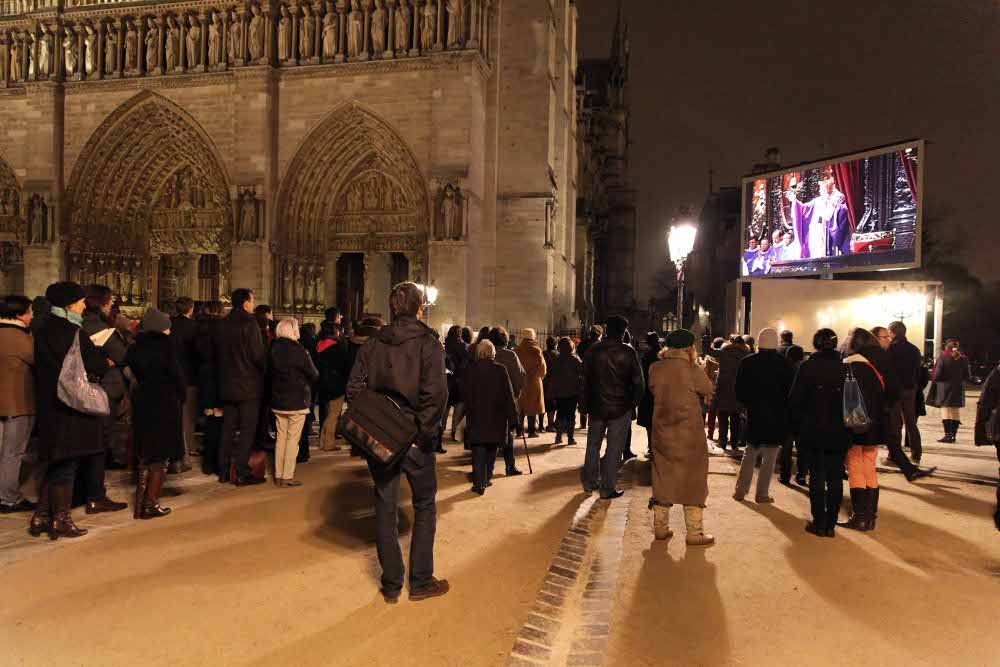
(149, 197)
(352, 215)
(12, 232)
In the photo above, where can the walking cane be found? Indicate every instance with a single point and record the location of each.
(524, 438)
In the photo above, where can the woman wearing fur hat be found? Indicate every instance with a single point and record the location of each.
(680, 453)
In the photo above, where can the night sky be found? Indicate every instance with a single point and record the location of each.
(715, 83)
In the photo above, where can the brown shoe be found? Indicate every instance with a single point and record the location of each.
(436, 588)
(62, 522)
(104, 504)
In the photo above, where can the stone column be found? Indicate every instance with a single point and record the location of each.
(203, 47)
(99, 70)
(415, 21)
(439, 42)
(390, 31)
(182, 63)
(293, 13)
(342, 29)
(161, 42)
(120, 62)
(58, 55)
(473, 42)
(317, 19)
(223, 63)
(366, 48)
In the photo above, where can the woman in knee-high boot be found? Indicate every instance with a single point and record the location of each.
(157, 402)
(208, 388)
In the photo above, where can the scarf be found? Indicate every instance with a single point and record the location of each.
(67, 315)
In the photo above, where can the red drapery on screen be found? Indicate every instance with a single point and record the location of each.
(847, 177)
(910, 169)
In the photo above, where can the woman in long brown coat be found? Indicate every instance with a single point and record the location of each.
(532, 400)
(680, 452)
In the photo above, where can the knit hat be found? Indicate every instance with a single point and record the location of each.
(679, 339)
(155, 321)
(528, 334)
(767, 339)
(63, 294)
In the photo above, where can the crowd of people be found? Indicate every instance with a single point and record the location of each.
(100, 390)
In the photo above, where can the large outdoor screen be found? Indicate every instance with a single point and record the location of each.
(859, 212)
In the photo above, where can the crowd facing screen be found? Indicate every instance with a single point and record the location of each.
(857, 213)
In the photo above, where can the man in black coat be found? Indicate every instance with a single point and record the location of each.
(242, 363)
(593, 337)
(889, 364)
(763, 381)
(787, 338)
(183, 335)
(907, 362)
(405, 360)
(613, 386)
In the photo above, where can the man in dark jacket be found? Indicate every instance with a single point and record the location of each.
(897, 368)
(787, 338)
(763, 381)
(183, 334)
(406, 361)
(593, 337)
(515, 372)
(906, 361)
(613, 386)
(242, 362)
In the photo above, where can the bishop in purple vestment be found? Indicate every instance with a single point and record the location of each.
(821, 226)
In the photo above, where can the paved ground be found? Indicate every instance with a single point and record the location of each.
(541, 574)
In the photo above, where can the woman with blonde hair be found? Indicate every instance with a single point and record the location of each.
(293, 375)
(490, 411)
(680, 452)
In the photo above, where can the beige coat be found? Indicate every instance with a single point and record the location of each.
(17, 368)
(532, 401)
(680, 452)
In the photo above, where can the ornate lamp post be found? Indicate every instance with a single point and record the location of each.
(680, 243)
(430, 298)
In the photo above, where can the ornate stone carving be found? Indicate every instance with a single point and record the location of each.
(255, 34)
(330, 36)
(236, 38)
(90, 46)
(131, 55)
(11, 225)
(307, 33)
(403, 23)
(172, 58)
(429, 29)
(111, 49)
(456, 20)
(451, 213)
(15, 59)
(285, 25)
(71, 50)
(11, 256)
(355, 30)
(249, 212)
(40, 228)
(193, 43)
(46, 47)
(152, 45)
(379, 20)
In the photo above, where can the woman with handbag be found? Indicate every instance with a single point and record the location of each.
(861, 348)
(157, 403)
(490, 411)
(293, 375)
(951, 372)
(66, 435)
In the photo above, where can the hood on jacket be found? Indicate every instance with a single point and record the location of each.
(324, 344)
(404, 329)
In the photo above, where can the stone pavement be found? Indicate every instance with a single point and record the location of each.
(541, 574)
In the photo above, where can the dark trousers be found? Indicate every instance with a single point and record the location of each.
(508, 453)
(566, 414)
(785, 459)
(904, 413)
(483, 457)
(304, 437)
(92, 468)
(534, 422)
(240, 415)
(210, 439)
(729, 429)
(826, 486)
(418, 466)
(61, 473)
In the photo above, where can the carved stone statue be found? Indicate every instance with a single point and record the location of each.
(70, 50)
(285, 35)
(256, 34)
(193, 42)
(235, 37)
(15, 59)
(355, 30)
(287, 282)
(173, 44)
(131, 47)
(402, 26)
(45, 43)
(152, 45)
(248, 216)
(307, 33)
(455, 22)
(39, 219)
(90, 42)
(430, 26)
(214, 40)
(329, 35)
(111, 49)
(379, 19)
(451, 228)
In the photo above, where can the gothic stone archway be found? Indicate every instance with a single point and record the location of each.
(148, 195)
(12, 229)
(354, 186)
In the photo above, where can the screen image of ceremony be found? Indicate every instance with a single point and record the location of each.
(860, 212)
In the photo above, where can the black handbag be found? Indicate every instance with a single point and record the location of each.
(376, 425)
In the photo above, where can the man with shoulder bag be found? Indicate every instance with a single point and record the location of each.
(404, 363)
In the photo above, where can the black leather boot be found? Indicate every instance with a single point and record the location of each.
(874, 506)
(860, 504)
(142, 481)
(151, 503)
(949, 436)
(62, 523)
(41, 522)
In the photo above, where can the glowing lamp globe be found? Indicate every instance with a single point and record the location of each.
(680, 241)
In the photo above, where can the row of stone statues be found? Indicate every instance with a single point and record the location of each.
(302, 283)
(303, 33)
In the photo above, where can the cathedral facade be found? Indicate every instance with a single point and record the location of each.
(315, 151)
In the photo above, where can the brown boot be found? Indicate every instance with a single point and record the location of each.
(104, 504)
(151, 505)
(142, 481)
(41, 522)
(62, 522)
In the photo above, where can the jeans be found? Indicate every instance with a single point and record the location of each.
(729, 429)
(286, 447)
(904, 413)
(242, 415)
(483, 457)
(826, 486)
(602, 473)
(767, 455)
(418, 466)
(14, 433)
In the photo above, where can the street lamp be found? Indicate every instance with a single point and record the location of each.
(430, 297)
(680, 243)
